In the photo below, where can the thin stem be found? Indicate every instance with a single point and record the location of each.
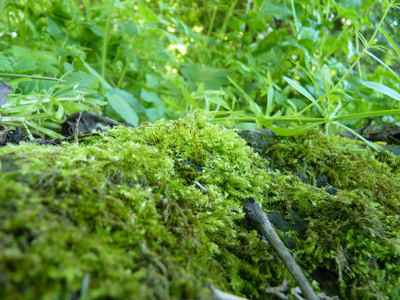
(6, 75)
(125, 68)
(295, 18)
(327, 10)
(316, 120)
(371, 41)
(228, 15)
(105, 40)
(214, 13)
(358, 63)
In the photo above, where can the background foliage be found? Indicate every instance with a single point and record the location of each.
(242, 63)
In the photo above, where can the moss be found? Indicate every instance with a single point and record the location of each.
(355, 233)
(120, 216)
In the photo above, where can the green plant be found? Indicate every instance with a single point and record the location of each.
(153, 60)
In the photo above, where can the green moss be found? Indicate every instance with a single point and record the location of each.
(354, 234)
(121, 217)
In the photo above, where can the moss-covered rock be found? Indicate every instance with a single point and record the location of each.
(120, 216)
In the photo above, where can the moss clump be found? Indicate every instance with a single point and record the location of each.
(120, 217)
(114, 218)
(352, 236)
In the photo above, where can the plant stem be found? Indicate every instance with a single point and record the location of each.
(295, 18)
(316, 120)
(6, 75)
(105, 40)
(125, 68)
(371, 40)
(214, 13)
(327, 10)
(228, 15)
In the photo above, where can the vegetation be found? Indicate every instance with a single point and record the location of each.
(245, 64)
(121, 217)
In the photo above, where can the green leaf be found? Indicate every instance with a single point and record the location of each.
(118, 100)
(265, 121)
(4, 63)
(44, 130)
(213, 78)
(151, 97)
(304, 92)
(395, 47)
(97, 75)
(382, 63)
(348, 4)
(186, 95)
(293, 106)
(80, 78)
(153, 113)
(174, 105)
(294, 131)
(254, 107)
(147, 13)
(358, 135)
(172, 38)
(279, 11)
(326, 81)
(382, 89)
(309, 76)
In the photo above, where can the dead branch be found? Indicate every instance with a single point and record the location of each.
(257, 218)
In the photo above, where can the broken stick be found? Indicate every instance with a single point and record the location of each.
(257, 218)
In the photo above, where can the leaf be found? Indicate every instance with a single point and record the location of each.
(382, 63)
(97, 75)
(4, 63)
(44, 130)
(265, 121)
(118, 100)
(172, 38)
(270, 95)
(348, 4)
(151, 97)
(24, 65)
(293, 106)
(82, 79)
(337, 108)
(147, 13)
(382, 89)
(174, 105)
(186, 95)
(309, 76)
(303, 91)
(395, 47)
(326, 81)
(294, 131)
(213, 78)
(216, 99)
(254, 107)
(153, 113)
(277, 10)
(5, 89)
(358, 135)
